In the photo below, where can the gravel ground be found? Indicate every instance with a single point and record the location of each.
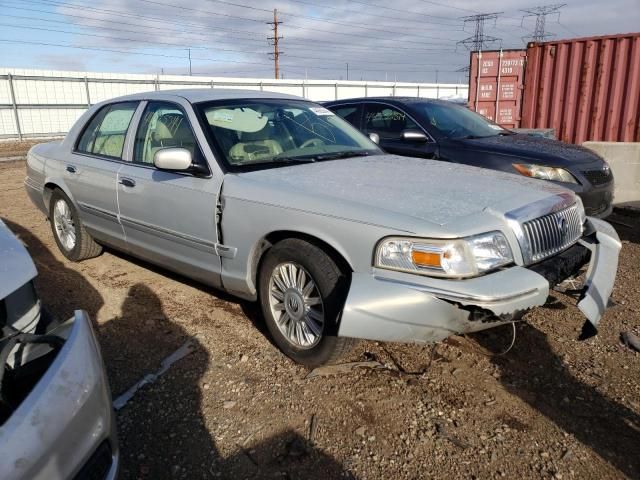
(552, 407)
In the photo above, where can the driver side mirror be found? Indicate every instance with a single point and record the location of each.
(174, 159)
(415, 136)
(375, 138)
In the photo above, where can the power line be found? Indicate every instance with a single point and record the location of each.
(541, 12)
(276, 43)
(479, 40)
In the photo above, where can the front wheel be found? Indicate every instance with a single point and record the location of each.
(302, 292)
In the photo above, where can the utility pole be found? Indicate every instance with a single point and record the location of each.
(347, 70)
(479, 41)
(541, 12)
(275, 42)
(189, 50)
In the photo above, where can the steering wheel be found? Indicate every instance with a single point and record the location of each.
(312, 142)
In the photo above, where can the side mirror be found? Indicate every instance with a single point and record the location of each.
(413, 136)
(175, 159)
(375, 138)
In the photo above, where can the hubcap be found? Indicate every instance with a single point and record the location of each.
(296, 305)
(63, 223)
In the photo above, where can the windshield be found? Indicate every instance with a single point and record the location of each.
(455, 121)
(274, 132)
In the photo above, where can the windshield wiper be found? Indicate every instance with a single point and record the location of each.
(334, 156)
(292, 159)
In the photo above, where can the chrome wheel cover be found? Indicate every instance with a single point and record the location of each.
(64, 225)
(296, 305)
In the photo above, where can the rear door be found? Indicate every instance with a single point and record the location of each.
(389, 122)
(92, 168)
(169, 218)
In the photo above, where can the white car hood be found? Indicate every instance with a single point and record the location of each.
(428, 190)
(16, 266)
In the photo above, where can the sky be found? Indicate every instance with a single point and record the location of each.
(403, 40)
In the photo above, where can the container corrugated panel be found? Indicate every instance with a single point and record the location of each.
(495, 85)
(586, 88)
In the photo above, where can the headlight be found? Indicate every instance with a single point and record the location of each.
(554, 174)
(460, 257)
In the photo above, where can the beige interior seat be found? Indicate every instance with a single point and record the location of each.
(255, 147)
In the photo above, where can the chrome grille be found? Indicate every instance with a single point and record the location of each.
(552, 233)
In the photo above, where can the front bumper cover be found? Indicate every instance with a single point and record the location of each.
(393, 306)
(68, 414)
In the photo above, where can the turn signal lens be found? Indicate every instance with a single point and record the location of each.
(426, 259)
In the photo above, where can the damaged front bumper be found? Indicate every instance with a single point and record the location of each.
(395, 306)
(65, 428)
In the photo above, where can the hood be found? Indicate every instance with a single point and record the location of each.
(384, 189)
(544, 150)
(16, 266)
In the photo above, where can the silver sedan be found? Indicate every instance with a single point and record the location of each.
(275, 199)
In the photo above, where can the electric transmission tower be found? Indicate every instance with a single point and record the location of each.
(275, 42)
(479, 40)
(539, 34)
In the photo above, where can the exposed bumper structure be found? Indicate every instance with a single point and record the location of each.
(65, 426)
(392, 306)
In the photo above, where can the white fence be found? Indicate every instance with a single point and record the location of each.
(36, 103)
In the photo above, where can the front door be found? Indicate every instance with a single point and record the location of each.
(91, 171)
(169, 218)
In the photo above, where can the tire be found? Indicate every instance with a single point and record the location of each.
(65, 221)
(316, 343)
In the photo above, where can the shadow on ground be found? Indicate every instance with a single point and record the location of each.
(163, 430)
(534, 373)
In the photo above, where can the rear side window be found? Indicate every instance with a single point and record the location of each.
(107, 130)
(351, 113)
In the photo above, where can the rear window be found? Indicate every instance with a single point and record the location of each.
(107, 130)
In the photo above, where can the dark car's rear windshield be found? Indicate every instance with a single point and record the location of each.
(455, 121)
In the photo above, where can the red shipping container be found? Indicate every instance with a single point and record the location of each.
(495, 89)
(585, 88)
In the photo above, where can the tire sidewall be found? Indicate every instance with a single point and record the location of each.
(331, 285)
(56, 196)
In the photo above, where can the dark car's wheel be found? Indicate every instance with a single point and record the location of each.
(302, 292)
(72, 239)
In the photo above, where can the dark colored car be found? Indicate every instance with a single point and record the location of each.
(442, 130)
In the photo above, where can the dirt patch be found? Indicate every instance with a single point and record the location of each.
(15, 148)
(553, 407)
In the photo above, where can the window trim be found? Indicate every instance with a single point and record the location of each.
(86, 125)
(138, 124)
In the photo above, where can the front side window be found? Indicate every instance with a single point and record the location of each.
(163, 125)
(272, 132)
(386, 121)
(455, 121)
(107, 130)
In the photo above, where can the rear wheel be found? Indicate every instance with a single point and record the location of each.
(302, 292)
(71, 237)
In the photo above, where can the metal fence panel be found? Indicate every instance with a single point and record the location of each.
(44, 102)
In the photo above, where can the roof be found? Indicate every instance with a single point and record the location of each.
(195, 95)
(389, 99)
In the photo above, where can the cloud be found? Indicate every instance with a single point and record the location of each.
(407, 40)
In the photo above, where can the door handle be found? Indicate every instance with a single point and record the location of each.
(71, 169)
(127, 182)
